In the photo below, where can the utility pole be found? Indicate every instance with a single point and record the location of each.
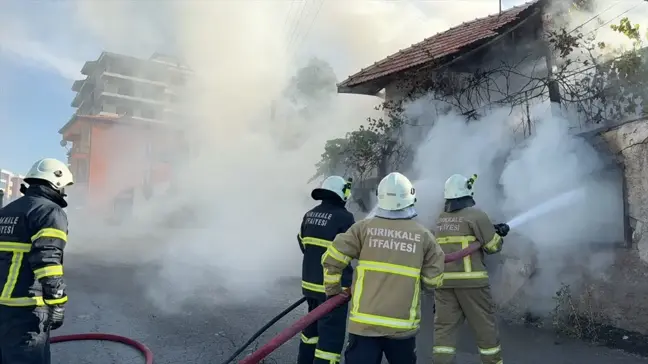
(500, 6)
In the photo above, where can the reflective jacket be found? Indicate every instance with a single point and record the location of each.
(318, 229)
(395, 257)
(33, 234)
(457, 230)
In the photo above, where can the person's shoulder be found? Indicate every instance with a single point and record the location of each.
(43, 206)
(474, 211)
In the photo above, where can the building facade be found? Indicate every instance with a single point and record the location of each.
(5, 184)
(126, 128)
(10, 185)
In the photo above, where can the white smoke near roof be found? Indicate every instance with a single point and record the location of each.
(515, 178)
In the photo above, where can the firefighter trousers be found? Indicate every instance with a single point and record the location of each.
(370, 350)
(323, 340)
(24, 335)
(475, 305)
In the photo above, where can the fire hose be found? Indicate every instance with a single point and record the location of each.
(325, 308)
(272, 345)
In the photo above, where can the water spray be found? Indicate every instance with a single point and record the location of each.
(553, 204)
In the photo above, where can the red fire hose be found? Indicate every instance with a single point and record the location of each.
(146, 352)
(257, 356)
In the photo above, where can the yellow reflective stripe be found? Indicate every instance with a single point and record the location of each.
(335, 254)
(402, 270)
(313, 287)
(8, 246)
(22, 301)
(50, 233)
(49, 271)
(443, 350)
(56, 301)
(326, 355)
(31, 301)
(465, 275)
(309, 340)
(388, 268)
(455, 239)
(434, 281)
(415, 300)
(12, 275)
(467, 260)
(465, 241)
(317, 242)
(490, 351)
(492, 244)
(376, 320)
(331, 278)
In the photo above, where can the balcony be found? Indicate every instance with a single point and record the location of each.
(132, 98)
(133, 79)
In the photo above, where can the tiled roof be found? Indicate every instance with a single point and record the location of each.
(440, 45)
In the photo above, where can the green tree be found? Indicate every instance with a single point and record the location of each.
(369, 152)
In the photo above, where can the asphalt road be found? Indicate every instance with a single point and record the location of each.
(108, 299)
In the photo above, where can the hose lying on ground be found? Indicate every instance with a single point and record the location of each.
(269, 347)
(325, 308)
(146, 352)
(263, 329)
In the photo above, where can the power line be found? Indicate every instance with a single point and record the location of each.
(295, 30)
(594, 17)
(290, 7)
(616, 17)
(310, 26)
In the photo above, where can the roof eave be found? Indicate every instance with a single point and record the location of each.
(369, 88)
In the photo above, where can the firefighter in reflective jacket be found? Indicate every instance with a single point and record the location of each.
(33, 234)
(396, 256)
(322, 342)
(466, 292)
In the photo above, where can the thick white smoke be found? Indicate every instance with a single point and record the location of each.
(514, 178)
(255, 130)
(245, 189)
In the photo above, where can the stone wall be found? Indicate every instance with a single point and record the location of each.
(623, 296)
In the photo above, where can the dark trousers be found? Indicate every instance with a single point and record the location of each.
(370, 350)
(24, 335)
(323, 340)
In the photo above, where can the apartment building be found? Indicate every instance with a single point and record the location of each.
(10, 185)
(126, 124)
(5, 183)
(143, 89)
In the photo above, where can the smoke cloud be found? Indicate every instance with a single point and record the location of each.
(515, 177)
(258, 112)
(257, 115)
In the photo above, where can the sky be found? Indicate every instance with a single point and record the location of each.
(43, 45)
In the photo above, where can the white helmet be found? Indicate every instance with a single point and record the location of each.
(51, 170)
(459, 186)
(335, 184)
(395, 192)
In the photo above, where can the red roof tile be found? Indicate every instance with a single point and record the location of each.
(440, 45)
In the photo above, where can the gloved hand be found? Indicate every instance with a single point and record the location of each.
(502, 229)
(57, 314)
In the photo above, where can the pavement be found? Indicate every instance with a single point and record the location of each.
(107, 299)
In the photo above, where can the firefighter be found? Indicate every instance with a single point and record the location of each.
(322, 341)
(33, 234)
(396, 256)
(466, 291)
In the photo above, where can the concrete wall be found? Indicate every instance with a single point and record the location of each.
(623, 296)
(630, 143)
